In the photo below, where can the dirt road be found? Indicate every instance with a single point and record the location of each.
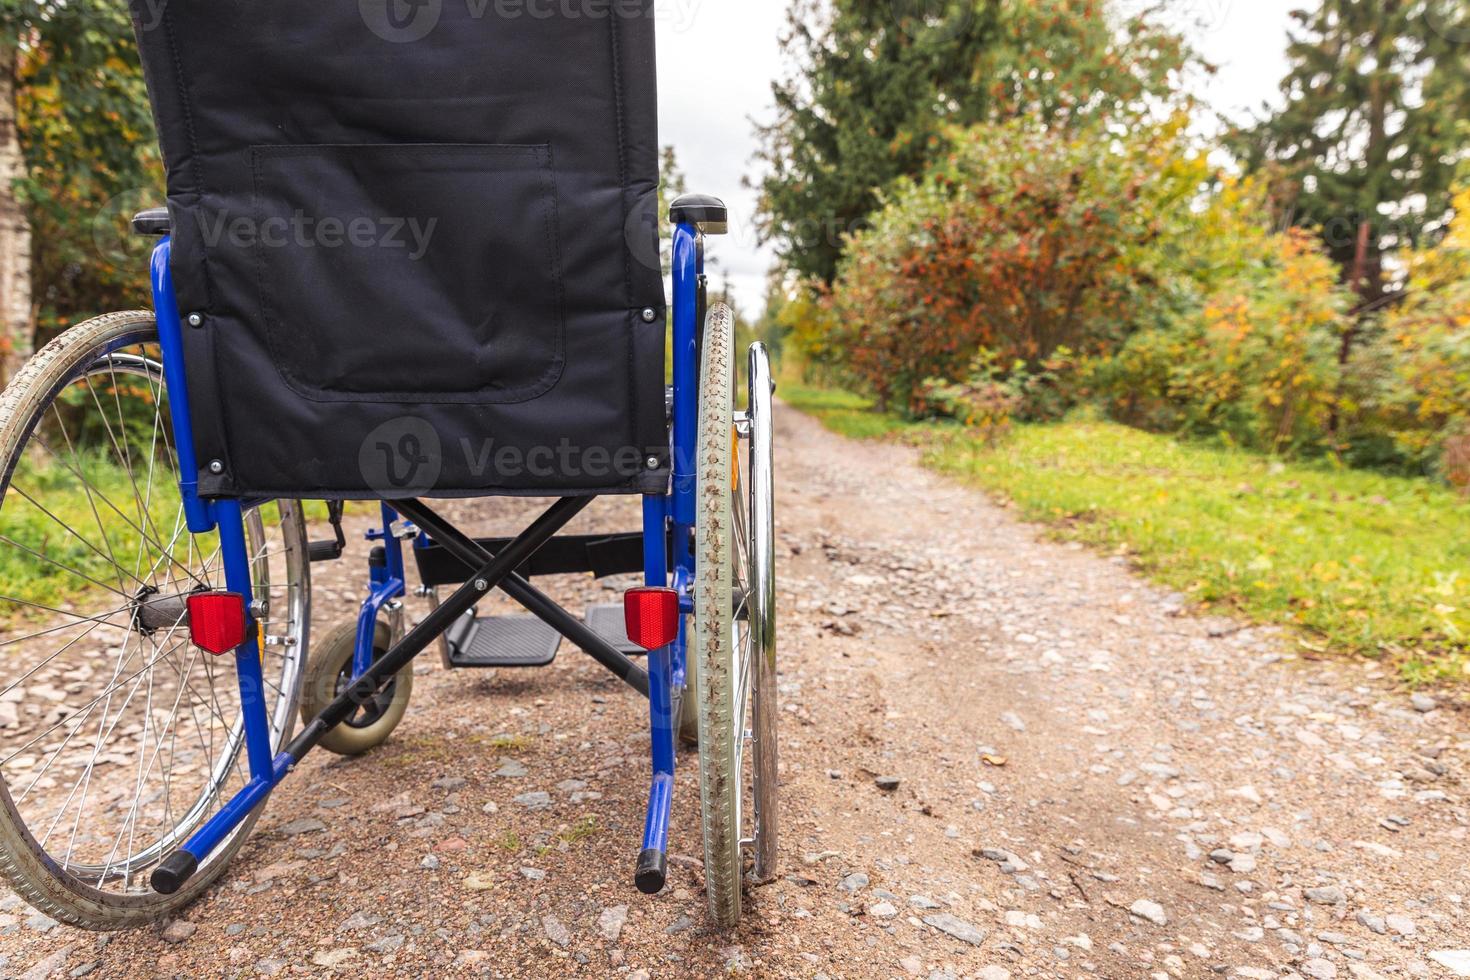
(1091, 782)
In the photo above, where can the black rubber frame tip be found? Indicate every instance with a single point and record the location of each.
(176, 869)
(653, 871)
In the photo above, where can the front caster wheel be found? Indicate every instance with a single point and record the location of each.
(328, 676)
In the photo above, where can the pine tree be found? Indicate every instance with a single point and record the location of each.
(1366, 145)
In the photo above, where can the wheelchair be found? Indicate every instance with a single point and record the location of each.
(410, 252)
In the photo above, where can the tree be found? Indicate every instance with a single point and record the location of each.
(15, 230)
(1365, 147)
(875, 83)
(82, 158)
(671, 184)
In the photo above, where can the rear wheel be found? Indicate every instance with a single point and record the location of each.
(733, 647)
(118, 737)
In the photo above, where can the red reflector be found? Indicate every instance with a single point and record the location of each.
(217, 620)
(652, 616)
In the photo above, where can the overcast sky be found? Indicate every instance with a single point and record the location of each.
(717, 59)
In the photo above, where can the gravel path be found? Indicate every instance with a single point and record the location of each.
(1002, 757)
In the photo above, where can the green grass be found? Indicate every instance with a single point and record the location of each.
(847, 414)
(415, 750)
(580, 831)
(43, 564)
(58, 577)
(1360, 562)
(505, 742)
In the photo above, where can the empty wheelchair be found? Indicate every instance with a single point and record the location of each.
(403, 258)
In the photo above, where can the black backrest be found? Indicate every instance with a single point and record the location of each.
(414, 222)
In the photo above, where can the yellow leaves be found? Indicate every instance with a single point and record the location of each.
(1458, 236)
(1439, 266)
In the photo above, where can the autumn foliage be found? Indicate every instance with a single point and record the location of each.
(1421, 361)
(1018, 242)
(1031, 269)
(1244, 344)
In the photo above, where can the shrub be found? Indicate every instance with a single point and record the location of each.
(1244, 349)
(1413, 380)
(985, 402)
(1019, 241)
(993, 393)
(1427, 411)
(1187, 310)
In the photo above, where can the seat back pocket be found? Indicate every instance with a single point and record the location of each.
(409, 272)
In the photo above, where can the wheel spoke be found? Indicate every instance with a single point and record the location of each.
(124, 457)
(11, 542)
(129, 736)
(94, 494)
(19, 491)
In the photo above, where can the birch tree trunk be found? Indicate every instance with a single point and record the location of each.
(15, 233)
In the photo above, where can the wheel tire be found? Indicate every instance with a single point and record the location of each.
(36, 876)
(759, 581)
(712, 650)
(331, 662)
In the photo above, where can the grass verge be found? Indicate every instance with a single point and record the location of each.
(1360, 562)
(63, 524)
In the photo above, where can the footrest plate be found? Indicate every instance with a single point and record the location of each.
(501, 641)
(608, 623)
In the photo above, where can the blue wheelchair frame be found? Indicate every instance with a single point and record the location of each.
(668, 522)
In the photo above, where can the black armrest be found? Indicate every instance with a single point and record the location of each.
(154, 221)
(708, 213)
